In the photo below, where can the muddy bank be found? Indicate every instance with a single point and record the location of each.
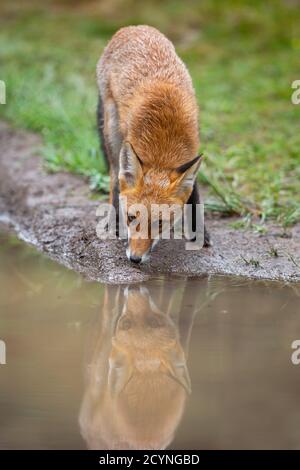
(55, 213)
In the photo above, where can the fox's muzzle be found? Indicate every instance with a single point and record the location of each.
(138, 250)
(135, 259)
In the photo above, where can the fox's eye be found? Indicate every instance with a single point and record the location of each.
(125, 324)
(155, 321)
(131, 218)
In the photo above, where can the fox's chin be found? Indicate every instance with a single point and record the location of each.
(145, 258)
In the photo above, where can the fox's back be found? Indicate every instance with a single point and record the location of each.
(138, 54)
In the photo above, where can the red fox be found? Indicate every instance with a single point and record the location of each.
(148, 124)
(137, 376)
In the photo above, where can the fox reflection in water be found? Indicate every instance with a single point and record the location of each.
(137, 379)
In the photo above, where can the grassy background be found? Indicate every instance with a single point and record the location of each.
(243, 57)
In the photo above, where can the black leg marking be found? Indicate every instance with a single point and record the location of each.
(194, 199)
(100, 127)
(115, 202)
(207, 241)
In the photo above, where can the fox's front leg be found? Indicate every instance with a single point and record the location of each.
(194, 199)
(113, 142)
(114, 197)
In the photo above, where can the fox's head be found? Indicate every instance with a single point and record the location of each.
(145, 187)
(146, 341)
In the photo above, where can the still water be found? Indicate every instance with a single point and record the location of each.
(172, 363)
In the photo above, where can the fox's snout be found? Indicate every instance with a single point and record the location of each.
(135, 259)
(138, 250)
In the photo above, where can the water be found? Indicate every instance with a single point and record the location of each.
(176, 363)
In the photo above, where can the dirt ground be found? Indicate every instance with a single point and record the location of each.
(56, 214)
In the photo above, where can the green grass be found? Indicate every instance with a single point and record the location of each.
(243, 57)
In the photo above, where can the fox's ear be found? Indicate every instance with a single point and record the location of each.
(191, 164)
(119, 372)
(187, 174)
(177, 368)
(130, 166)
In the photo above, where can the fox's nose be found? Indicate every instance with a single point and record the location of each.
(135, 259)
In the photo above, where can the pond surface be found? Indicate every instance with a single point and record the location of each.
(172, 363)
